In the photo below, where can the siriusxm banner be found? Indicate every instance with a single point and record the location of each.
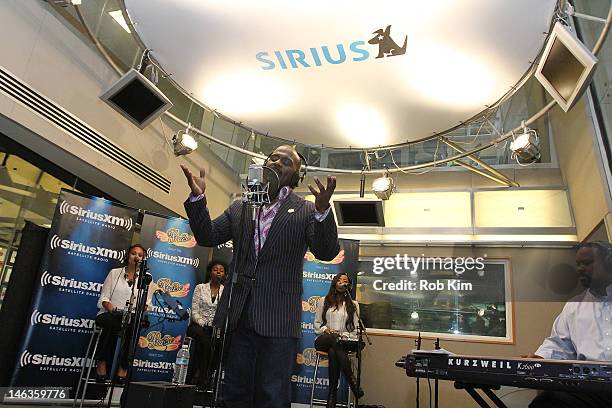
(89, 236)
(173, 258)
(317, 280)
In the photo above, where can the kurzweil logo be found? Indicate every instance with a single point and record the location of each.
(97, 251)
(92, 287)
(480, 363)
(56, 320)
(177, 259)
(355, 51)
(67, 208)
(164, 365)
(28, 358)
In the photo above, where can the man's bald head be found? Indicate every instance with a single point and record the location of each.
(286, 162)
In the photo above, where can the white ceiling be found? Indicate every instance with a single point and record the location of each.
(461, 55)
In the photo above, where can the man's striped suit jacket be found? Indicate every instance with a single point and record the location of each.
(273, 281)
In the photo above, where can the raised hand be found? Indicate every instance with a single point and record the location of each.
(196, 184)
(324, 194)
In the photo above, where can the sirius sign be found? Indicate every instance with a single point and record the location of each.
(317, 56)
(320, 72)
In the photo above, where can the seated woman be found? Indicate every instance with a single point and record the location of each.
(337, 317)
(204, 305)
(117, 291)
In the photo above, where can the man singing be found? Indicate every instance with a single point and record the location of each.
(583, 330)
(265, 309)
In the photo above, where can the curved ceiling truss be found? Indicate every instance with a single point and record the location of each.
(441, 137)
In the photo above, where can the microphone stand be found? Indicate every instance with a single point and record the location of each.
(255, 197)
(417, 343)
(143, 280)
(361, 330)
(218, 332)
(125, 321)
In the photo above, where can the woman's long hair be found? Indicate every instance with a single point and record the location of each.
(335, 299)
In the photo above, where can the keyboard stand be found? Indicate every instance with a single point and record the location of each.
(486, 389)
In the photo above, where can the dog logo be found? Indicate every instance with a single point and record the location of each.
(386, 46)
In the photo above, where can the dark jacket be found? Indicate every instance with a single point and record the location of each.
(274, 281)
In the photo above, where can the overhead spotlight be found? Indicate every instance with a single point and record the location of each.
(526, 146)
(414, 315)
(184, 143)
(481, 312)
(383, 187)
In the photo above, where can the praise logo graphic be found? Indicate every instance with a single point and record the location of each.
(174, 236)
(154, 340)
(309, 357)
(174, 289)
(28, 358)
(107, 220)
(71, 285)
(311, 304)
(86, 251)
(317, 56)
(175, 259)
(338, 259)
(60, 321)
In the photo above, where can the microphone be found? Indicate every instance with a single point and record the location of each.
(261, 184)
(346, 285)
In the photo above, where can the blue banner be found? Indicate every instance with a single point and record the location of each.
(89, 236)
(173, 258)
(317, 280)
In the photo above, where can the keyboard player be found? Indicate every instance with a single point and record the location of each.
(583, 329)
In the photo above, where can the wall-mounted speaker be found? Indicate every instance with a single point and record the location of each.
(359, 212)
(566, 66)
(137, 99)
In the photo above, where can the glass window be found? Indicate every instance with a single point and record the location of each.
(440, 296)
(27, 193)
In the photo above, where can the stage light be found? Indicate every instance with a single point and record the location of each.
(184, 143)
(481, 312)
(414, 315)
(526, 146)
(383, 187)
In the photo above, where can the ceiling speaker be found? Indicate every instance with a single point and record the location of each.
(137, 99)
(566, 67)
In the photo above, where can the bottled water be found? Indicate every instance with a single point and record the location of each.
(181, 365)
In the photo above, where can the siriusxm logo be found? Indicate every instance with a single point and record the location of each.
(55, 320)
(56, 242)
(182, 260)
(308, 380)
(164, 365)
(47, 279)
(28, 358)
(315, 275)
(66, 208)
(228, 244)
(355, 51)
